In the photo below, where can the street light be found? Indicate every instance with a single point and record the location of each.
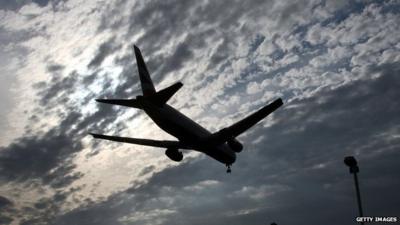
(351, 162)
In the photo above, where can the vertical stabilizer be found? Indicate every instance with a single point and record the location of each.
(145, 80)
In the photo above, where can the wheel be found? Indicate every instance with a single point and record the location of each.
(228, 168)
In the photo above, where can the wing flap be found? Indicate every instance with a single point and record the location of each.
(139, 141)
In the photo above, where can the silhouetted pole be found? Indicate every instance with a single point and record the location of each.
(274, 224)
(351, 162)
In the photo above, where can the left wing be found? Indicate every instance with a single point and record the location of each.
(138, 141)
(244, 124)
(124, 102)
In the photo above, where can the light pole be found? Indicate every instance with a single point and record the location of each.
(351, 162)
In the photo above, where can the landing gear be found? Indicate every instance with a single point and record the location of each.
(228, 170)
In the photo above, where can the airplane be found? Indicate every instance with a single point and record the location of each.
(221, 145)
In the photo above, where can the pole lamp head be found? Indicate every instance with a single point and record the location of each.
(351, 162)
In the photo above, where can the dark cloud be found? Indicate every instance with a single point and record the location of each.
(36, 157)
(174, 62)
(11, 36)
(258, 40)
(48, 156)
(41, 3)
(90, 79)
(165, 22)
(156, 17)
(112, 19)
(54, 68)
(58, 89)
(5, 202)
(221, 54)
(15, 5)
(5, 209)
(146, 170)
(5, 220)
(105, 49)
(12, 5)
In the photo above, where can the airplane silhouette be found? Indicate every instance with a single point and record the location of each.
(221, 145)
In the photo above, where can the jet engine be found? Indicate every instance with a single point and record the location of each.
(174, 154)
(235, 145)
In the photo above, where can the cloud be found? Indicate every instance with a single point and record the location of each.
(54, 68)
(39, 157)
(105, 49)
(5, 209)
(175, 61)
(11, 5)
(4, 202)
(41, 3)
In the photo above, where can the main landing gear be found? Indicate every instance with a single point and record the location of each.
(228, 170)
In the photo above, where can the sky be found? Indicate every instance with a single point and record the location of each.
(335, 64)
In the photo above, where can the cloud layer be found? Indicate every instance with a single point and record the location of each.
(335, 64)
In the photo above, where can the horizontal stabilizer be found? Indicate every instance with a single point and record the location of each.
(244, 124)
(161, 97)
(138, 141)
(123, 102)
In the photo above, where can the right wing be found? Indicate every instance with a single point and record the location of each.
(138, 141)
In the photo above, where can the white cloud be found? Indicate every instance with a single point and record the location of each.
(259, 193)
(202, 185)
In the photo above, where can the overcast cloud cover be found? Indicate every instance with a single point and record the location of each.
(336, 64)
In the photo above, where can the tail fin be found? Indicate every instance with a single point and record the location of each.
(145, 80)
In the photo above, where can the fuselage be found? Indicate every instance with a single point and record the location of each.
(187, 131)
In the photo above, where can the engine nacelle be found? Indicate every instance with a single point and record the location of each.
(174, 154)
(235, 145)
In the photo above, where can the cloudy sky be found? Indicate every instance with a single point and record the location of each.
(335, 64)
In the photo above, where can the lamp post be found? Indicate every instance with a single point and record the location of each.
(351, 162)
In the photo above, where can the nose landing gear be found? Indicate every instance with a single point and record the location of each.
(228, 170)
